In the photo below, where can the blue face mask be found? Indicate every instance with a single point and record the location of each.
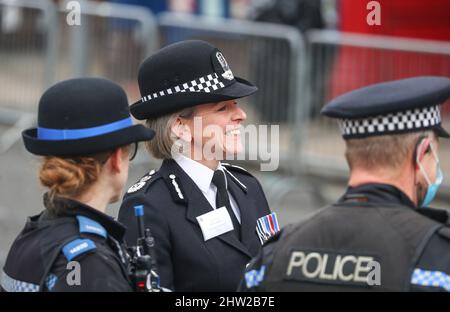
(432, 187)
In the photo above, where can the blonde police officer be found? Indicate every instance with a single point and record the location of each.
(202, 212)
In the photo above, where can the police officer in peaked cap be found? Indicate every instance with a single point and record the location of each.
(86, 138)
(381, 235)
(201, 211)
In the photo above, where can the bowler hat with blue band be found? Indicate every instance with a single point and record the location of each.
(185, 74)
(83, 116)
(399, 106)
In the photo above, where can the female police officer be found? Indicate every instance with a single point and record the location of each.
(84, 133)
(202, 213)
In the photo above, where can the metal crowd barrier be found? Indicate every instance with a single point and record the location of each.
(110, 42)
(38, 47)
(296, 74)
(26, 54)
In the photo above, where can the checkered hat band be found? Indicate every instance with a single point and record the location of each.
(431, 279)
(207, 84)
(410, 120)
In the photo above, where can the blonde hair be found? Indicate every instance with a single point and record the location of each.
(161, 145)
(384, 151)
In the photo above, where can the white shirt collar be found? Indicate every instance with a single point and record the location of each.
(200, 174)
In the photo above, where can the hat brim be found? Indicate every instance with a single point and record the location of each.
(174, 102)
(85, 146)
(441, 132)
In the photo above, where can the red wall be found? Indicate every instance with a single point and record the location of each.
(357, 67)
(428, 19)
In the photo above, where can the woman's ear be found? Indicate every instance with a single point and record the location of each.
(116, 159)
(181, 130)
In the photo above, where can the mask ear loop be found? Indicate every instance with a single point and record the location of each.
(439, 176)
(435, 154)
(421, 148)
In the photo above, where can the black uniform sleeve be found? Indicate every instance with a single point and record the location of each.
(155, 220)
(98, 272)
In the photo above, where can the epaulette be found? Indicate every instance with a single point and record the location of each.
(90, 226)
(77, 247)
(142, 182)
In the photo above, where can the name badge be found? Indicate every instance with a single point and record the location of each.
(215, 223)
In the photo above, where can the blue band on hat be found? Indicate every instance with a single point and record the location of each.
(72, 134)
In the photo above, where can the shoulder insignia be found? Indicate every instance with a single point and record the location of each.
(141, 183)
(175, 188)
(77, 247)
(87, 225)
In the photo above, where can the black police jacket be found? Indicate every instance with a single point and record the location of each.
(172, 202)
(372, 239)
(75, 249)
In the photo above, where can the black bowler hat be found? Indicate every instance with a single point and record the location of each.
(186, 74)
(83, 116)
(400, 106)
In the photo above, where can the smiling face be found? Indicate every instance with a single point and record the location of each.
(219, 131)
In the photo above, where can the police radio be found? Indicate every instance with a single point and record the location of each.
(143, 269)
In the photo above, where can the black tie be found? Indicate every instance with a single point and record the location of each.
(222, 199)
